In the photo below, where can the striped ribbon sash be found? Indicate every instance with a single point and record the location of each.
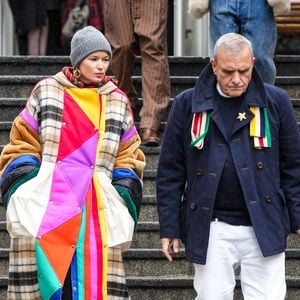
(259, 128)
(200, 127)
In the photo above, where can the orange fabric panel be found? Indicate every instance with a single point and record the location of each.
(59, 245)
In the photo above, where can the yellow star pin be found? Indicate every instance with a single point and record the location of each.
(242, 116)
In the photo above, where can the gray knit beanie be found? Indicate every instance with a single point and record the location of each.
(86, 41)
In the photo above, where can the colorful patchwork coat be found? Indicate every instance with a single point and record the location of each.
(63, 145)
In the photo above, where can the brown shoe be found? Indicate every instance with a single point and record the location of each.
(149, 137)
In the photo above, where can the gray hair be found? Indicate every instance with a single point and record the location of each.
(232, 43)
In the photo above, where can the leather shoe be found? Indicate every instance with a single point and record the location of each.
(149, 137)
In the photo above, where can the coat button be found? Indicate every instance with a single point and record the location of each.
(268, 199)
(193, 206)
(259, 165)
(199, 172)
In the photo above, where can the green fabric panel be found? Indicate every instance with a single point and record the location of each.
(80, 255)
(22, 180)
(47, 279)
(129, 202)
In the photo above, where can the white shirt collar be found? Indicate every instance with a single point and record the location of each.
(221, 92)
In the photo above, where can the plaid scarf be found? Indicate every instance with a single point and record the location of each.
(259, 128)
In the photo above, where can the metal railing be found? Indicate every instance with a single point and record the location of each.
(191, 37)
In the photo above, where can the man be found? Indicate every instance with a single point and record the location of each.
(254, 19)
(228, 181)
(133, 26)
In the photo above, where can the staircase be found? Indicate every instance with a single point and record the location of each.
(149, 274)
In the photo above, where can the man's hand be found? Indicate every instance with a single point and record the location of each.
(170, 246)
(298, 231)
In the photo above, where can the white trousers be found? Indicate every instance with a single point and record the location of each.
(230, 247)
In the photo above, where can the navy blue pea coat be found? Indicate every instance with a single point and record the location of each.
(188, 178)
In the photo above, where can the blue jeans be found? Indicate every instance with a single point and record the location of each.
(253, 19)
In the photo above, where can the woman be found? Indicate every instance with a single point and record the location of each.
(73, 151)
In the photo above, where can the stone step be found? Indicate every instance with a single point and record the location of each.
(6, 126)
(25, 83)
(149, 188)
(151, 262)
(20, 86)
(287, 65)
(181, 288)
(144, 269)
(149, 184)
(11, 107)
(146, 236)
(148, 211)
(165, 288)
(32, 65)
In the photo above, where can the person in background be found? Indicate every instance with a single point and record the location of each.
(72, 163)
(54, 13)
(141, 27)
(95, 14)
(253, 19)
(228, 179)
(31, 22)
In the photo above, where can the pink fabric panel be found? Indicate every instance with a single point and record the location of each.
(93, 261)
(78, 168)
(63, 204)
(71, 179)
(129, 134)
(29, 119)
